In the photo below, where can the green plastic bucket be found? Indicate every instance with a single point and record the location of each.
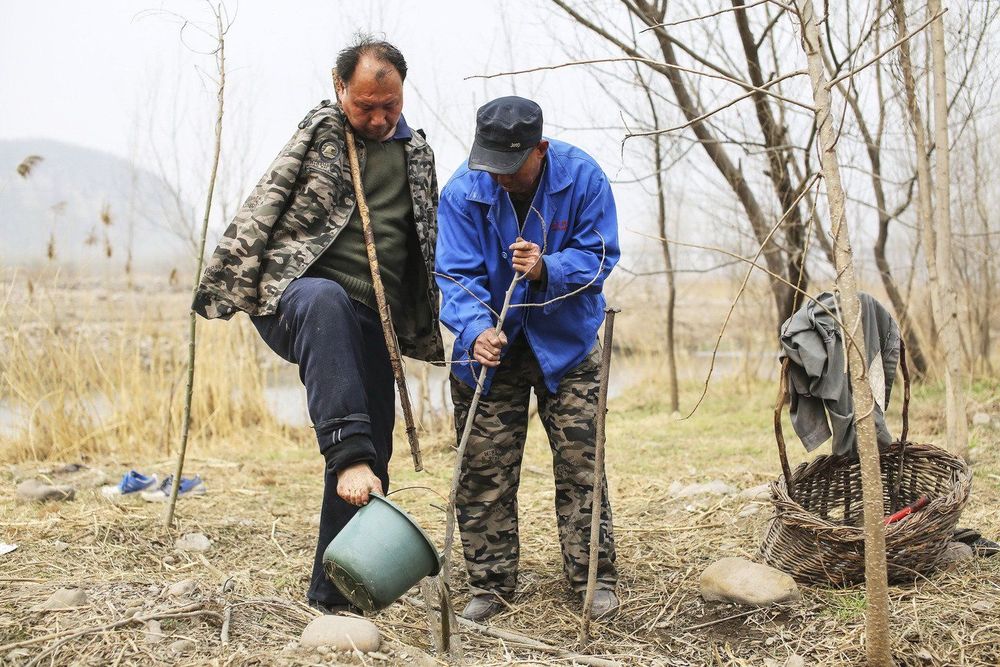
(379, 555)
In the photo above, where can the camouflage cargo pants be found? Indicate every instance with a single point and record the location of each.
(487, 493)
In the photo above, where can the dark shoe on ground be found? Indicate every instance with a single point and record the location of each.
(334, 609)
(483, 607)
(605, 604)
(982, 547)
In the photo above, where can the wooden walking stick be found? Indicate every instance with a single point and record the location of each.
(596, 506)
(391, 343)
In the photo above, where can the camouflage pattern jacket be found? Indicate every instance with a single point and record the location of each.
(296, 212)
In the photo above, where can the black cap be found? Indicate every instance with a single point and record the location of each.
(506, 130)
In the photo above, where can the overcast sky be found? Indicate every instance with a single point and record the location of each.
(115, 76)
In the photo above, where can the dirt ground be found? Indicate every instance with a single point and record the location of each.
(261, 513)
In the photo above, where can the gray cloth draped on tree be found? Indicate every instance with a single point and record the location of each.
(819, 384)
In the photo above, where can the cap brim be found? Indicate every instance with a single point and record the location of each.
(497, 162)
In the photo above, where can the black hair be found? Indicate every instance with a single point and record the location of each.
(381, 50)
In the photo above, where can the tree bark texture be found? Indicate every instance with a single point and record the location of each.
(877, 638)
(951, 346)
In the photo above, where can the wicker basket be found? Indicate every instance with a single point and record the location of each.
(816, 533)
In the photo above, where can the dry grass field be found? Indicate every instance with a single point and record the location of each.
(94, 376)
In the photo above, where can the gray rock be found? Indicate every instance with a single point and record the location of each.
(193, 542)
(980, 419)
(182, 646)
(132, 611)
(955, 553)
(982, 607)
(761, 492)
(342, 633)
(62, 598)
(716, 487)
(795, 660)
(743, 582)
(182, 588)
(59, 546)
(36, 490)
(154, 634)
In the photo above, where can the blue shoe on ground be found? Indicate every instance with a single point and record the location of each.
(189, 486)
(132, 482)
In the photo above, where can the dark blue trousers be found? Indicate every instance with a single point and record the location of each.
(340, 350)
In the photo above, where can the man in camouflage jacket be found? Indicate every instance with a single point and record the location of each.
(294, 260)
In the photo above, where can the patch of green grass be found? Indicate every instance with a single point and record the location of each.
(847, 606)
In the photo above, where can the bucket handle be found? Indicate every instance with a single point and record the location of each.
(783, 396)
(417, 486)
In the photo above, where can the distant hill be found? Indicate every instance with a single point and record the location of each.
(88, 203)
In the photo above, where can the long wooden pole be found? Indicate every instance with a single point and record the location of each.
(391, 343)
(877, 638)
(597, 495)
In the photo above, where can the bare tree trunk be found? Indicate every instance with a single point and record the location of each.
(776, 142)
(668, 263)
(877, 640)
(987, 272)
(954, 378)
(220, 56)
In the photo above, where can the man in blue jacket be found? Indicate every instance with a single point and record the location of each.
(543, 209)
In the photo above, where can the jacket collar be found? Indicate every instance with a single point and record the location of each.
(554, 179)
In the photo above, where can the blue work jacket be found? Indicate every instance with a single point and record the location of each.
(578, 231)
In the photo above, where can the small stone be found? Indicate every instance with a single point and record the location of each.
(132, 611)
(743, 582)
(169, 559)
(59, 546)
(955, 553)
(983, 606)
(154, 634)
(714, 488)
(762, 492)
(62, 598)
(342, 633)
(33, 489)
(749, 510)
(323, 650)
(314, 521)
(770, 641)
(925, 656)
(182, 646)
(193, 542)
(182, 588)
(981, 419)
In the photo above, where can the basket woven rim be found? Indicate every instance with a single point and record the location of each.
(787, 509)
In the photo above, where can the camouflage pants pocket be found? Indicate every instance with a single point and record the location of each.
(487, 490)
